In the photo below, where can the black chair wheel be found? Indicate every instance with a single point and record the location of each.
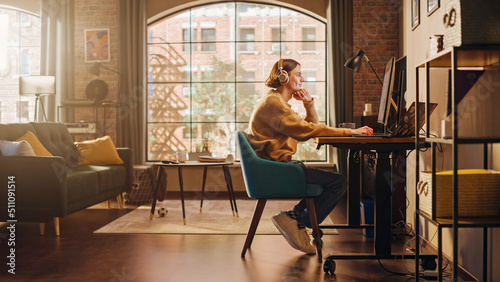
(428, 264)
(329, 266)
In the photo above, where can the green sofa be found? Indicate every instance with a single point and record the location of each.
(52, 187)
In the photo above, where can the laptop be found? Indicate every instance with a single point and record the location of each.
(406, 124)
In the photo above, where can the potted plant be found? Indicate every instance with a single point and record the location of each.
(202, 149)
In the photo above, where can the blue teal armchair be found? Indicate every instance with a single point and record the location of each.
(265, 179)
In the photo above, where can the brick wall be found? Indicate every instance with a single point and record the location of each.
(97, 14)
(375, 31)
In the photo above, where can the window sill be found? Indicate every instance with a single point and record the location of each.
(249, 52)
(308, 52)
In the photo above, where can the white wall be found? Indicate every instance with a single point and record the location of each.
(418, 50)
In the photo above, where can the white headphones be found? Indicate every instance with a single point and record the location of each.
(282, 74)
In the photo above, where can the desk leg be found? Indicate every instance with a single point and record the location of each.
(203, 186)
(230, 190)
(353, 192)
(383, 203)
(181, 186)
(156, 191)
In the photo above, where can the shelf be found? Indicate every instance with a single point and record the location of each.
(456, 58)
(468, 140)
(464, 221)
(467, 57)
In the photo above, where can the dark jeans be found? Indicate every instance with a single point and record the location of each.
(334, 186)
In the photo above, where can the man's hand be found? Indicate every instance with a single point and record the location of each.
(302, 95)
(365, 130)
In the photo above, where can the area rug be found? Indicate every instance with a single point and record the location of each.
(216, 218)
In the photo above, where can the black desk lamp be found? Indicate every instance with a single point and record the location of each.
(355, 63)
(95, 69)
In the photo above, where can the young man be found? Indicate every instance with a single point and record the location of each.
(273, 132)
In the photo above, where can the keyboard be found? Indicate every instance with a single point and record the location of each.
(385, 135)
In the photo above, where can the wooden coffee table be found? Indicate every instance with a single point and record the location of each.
(180, 166)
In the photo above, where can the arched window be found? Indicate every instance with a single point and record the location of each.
(207, 67)
(19, 55)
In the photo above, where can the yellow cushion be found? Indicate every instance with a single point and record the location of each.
(100, 151)
(35, 144)
(463, 171)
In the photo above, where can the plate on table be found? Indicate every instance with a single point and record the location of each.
(211, 159)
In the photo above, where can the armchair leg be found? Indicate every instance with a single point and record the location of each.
(56, 225)
(42, 228)
(315, 227)
(261, 203)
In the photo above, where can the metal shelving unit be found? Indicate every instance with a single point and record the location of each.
(455, 58)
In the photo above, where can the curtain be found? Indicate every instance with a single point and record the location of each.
(132, 87)
(56, 51)
(339, 49)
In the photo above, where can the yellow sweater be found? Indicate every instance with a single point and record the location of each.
(275, 128)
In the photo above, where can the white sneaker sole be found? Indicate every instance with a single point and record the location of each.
(285, 235)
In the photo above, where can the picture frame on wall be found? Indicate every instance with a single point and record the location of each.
(97, 45)
(432, 5)
(415, 13)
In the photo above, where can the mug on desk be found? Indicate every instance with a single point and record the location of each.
(347, 125)
(181, 156)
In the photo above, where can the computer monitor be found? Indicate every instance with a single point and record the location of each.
(386, 95)
(399, 89)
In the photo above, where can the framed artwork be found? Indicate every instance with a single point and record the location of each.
(97, 45)
(432, 5)
(415, 13)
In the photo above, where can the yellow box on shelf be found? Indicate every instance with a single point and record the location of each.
(478, 193)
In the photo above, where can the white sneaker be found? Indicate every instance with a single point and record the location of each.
(305, 242)
(288, 228)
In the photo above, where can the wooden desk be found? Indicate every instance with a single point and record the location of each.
(385, 149)
(205, 165)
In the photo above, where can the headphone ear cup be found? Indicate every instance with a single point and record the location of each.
(283, 76)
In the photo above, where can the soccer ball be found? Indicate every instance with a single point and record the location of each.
(162, 211)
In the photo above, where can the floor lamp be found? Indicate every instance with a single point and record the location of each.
(40, 85)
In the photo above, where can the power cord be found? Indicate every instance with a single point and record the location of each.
(393, 272)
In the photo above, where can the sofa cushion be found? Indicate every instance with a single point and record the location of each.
(57, 140)
(12, 131)
(37, 147)
(110, 176)
(12, 148)
(82, 183)
(100, 151)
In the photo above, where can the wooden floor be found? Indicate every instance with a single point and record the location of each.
(80, 255)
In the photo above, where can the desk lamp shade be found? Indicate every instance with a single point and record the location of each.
(355, 62)
(95, 69)
(37, 85)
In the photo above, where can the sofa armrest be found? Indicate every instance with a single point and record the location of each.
(126, 155)
(40, 186)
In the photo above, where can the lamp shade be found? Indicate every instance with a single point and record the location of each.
(95, 69)
(37, 85)
(355, 62)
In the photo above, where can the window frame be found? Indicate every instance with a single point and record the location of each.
(284, 51)
(15, 108)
